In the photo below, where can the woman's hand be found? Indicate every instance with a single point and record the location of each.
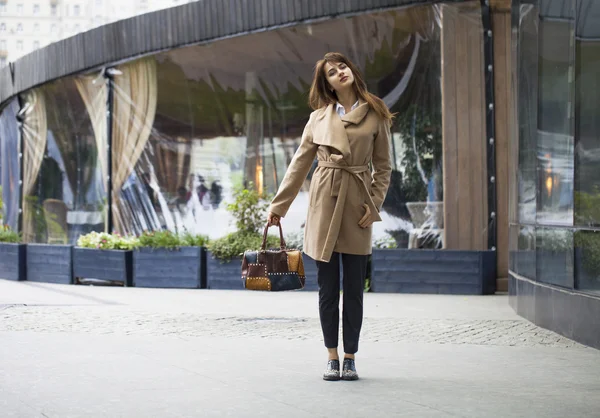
(366, 220)
(272, 219)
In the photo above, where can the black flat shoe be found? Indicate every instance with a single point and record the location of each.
(332, 372)
(349, 370)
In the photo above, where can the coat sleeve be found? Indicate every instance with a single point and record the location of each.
(296, 173)
(382, 164)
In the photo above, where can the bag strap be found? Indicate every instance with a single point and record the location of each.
(282, 245)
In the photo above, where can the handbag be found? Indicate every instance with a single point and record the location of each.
(273, 270)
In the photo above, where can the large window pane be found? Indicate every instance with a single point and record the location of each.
(9, 163)
(527, 113)
(63, 180)
(191, 124)
(556, 97)
(587, 163)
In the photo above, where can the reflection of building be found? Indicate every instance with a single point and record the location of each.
(205, 103)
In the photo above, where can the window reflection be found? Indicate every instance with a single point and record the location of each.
(64, 193)
(555, 143)
(191, 124)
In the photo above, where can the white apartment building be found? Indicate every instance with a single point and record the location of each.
(26, 25)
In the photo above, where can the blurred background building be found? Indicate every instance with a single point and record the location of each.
(26, 25)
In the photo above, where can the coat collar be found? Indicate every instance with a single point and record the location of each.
(330, 130)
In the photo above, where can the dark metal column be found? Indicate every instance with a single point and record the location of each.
(488, 59)
(109, 106)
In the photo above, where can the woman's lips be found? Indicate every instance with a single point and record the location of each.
(344, 78)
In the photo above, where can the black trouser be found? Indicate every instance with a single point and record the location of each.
(328, 276)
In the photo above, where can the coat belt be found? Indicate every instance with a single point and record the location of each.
(338, 180)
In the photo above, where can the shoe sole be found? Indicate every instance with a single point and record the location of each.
(349, 379)
(331, 379)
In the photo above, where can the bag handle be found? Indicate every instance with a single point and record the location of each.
(282, 245)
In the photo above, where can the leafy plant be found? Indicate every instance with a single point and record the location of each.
(295, 240)
(233, 245)
(167, 239)
(105, 241)
(386, 242)
(8, 235)
(249, 209)
(587, 208)
(159, 239)
(589, 243)
(191, 240)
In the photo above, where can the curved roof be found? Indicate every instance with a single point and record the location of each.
(191, 23)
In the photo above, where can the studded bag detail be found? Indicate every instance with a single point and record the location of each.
(273, 270)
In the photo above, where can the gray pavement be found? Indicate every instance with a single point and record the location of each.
(81, 351)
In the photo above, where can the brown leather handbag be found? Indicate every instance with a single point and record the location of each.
(273, 270)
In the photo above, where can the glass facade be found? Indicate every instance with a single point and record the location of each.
(189, 125)
(198, 121)
(555, 233)
(63, 190)
(9, 163)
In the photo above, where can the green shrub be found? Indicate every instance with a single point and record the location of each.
(192, 240)
(386, 242)
(233, 245)
(167, 239)
(589, 242)
(160, 239)
(249, 209)
(8, 235)
(105, 241)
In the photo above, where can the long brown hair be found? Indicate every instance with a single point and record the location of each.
(321, 95)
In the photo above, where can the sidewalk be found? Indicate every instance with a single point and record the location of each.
(78, 351)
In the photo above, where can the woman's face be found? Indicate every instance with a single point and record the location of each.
(339, 76)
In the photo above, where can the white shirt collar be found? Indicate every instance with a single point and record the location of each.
(340, 109)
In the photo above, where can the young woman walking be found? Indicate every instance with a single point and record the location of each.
(348, 130)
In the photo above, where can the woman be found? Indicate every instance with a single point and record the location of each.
(348, 130)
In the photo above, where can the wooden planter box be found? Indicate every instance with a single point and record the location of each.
(223, 276)
(310, 271)
(184, 268)
(12, 261)
(112, 265)
(434, 272)
(50, 263)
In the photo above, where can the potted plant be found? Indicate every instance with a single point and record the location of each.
(103, 256)
(168, 260)
(12, 255)
(223, 261)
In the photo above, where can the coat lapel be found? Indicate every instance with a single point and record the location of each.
(329, 130)
(357, 115)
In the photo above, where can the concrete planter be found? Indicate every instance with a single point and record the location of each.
(184, 267)
(434, 272)
(50, 263)
(223, 275)
(112, 265)
(12, 261)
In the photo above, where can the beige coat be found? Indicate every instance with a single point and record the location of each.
(343, 180)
